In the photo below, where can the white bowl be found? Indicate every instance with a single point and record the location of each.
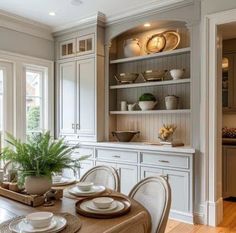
(177, 73)
(40, 219)
(85, 186)
(102, 202)
(147, 105)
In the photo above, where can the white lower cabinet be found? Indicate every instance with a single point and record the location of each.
(135, 165)
(180, 190)
(150, 171)
(128, 175)
(85, 166)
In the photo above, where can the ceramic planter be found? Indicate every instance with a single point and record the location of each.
(37, 185)
(171, 102)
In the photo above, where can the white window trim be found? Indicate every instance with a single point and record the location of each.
(19, 63)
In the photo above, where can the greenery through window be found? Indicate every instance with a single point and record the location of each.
(34, 102)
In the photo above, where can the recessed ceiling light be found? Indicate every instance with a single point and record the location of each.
(52, 13)
(76, 2)
(147, 25)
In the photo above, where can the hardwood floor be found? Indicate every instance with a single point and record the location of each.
(227, 226)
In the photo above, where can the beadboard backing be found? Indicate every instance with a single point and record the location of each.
(149, 125)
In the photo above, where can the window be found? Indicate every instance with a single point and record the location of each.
(1, 100)
(35, 101)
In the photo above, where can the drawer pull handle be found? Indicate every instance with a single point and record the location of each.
(164, 161)
(116, 156)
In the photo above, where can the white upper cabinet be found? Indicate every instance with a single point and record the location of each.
(67, 48)
(86, 97)
(85, 44)
(68, 87)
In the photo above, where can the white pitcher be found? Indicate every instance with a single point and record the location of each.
(131, 47)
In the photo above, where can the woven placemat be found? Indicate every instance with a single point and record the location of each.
(73, 223)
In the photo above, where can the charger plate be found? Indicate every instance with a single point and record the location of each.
(172, 40)
(80, 207)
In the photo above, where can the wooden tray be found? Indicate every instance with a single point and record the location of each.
(124, 211)
(31, 200)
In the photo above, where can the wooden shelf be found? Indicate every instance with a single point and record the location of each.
(149, 56)
(151, 112)
(148, 84)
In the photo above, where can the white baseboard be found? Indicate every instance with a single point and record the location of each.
(215, 212)
(181, 216)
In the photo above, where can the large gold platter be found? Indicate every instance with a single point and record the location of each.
(155, 43)
(172, 40)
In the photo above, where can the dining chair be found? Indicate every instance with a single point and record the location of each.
(103, 175)
(155, 195)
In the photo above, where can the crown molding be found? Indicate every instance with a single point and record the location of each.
(140, 11)
(23, 25)
(96, 19)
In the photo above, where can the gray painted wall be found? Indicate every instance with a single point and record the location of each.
(25, 44)
(213, 6)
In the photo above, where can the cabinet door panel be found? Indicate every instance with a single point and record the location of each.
(85, 166)
(230, 171)
(148, 171)
(67, 98)
(86, 90)
(128, 177)
(180, 190)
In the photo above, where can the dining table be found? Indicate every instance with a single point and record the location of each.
(137, 220)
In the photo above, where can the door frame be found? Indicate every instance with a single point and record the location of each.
(210, 132)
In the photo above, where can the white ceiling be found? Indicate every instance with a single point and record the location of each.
(66, 13)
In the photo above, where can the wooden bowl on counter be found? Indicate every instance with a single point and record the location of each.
(124, 136)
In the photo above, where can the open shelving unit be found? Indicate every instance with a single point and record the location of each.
(149, 122)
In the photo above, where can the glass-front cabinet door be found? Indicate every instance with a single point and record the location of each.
(85, 44)
(67, 48)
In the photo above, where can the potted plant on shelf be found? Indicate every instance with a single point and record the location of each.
(37, 159)
(147, 101)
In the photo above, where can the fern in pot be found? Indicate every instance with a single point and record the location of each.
(37, 159)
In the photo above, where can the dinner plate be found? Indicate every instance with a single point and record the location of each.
(91, 206)
(28, 228)
(86, 207)
(60, 225)
(63, 181)
(96, 189)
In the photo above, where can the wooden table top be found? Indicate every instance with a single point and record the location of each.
(138, 216)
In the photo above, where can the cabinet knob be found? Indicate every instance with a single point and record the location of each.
(77, 126)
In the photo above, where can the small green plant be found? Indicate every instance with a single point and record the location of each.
(41, 155)
(147, 97)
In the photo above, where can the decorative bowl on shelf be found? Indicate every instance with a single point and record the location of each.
(125, 78)
(177, 73)
(153, 75)
(124, 136)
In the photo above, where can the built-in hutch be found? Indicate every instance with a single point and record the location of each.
(89, 99)
(80, 83)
